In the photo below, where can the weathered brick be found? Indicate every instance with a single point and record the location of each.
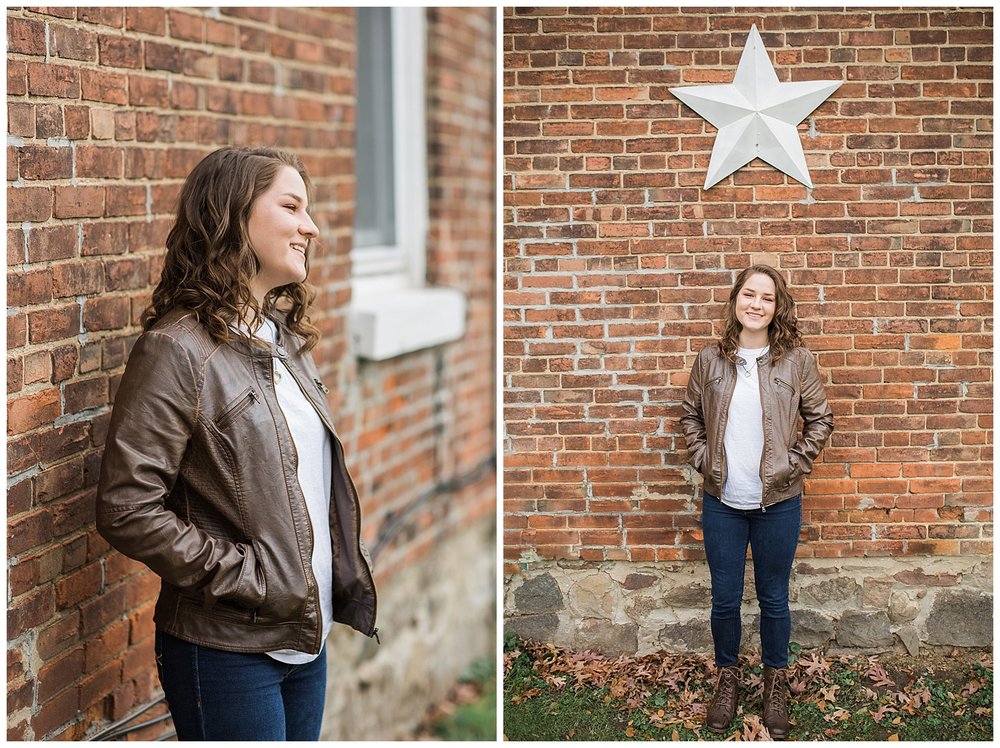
(146, 19)
(104, 86)
(27, 412)
(79, 202)
(54, 323)
(52, 243)
(26, 36)
(107, 313)
(120, 51)
(61, 81)
(44, 162)
(73, 43)
(29, 204)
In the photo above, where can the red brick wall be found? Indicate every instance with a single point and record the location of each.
(617, 264)
(425, 422)
(109, 109)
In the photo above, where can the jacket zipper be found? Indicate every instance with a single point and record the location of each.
(722, 434)
(235, 410)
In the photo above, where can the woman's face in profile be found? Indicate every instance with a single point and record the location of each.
(280, 230)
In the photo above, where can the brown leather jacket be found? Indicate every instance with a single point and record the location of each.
(199, 483)
(789, 387)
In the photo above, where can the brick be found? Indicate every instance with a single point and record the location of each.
(77, 119)
(102, 123)
(61, 81)
(73, 43)
(28, 412)
(125, 200)
(77, 278)
(148, 91)
(85, 394)
(29, 204)
(29, 288)
(54, 323)
(120, 52)
(49, 243)
(44, 163)
(104, 86)
(113, 17)
(26, 36)
(78, 586)
(21, 119)
(126, 274)
(105, 238)
(107, 313)
(162, 57)
(99, 162)
(146, 19)
(79, 202)
(17, 78)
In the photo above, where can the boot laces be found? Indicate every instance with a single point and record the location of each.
(776, 697)
(726, 690)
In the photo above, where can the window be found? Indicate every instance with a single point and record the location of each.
(392, 309)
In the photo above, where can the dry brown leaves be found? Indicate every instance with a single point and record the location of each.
(687, 681)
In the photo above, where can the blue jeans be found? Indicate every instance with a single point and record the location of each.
(217, 695)
(773, 535)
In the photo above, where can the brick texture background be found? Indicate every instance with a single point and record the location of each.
(616, 264)
(108, 110)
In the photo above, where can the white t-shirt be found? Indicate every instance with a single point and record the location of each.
(744, 439)
(314, 447)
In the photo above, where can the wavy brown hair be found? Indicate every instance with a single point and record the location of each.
(783, 332)
(210, 263)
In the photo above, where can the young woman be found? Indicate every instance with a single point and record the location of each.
(222, 471)
(744, 397)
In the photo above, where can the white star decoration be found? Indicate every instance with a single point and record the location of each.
(756, 115)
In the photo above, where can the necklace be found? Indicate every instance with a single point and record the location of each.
(748, 370)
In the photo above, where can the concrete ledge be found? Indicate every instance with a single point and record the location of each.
(389, 323)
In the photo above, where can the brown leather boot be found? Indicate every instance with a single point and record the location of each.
(775, 702)
(723, 707)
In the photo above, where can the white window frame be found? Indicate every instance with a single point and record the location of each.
(404, 262)
(392, 309)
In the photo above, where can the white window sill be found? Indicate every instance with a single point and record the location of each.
(385, 323)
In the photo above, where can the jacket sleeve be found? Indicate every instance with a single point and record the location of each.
(817, 417)
(155, 412)
(693, 419)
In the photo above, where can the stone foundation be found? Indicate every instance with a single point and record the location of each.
(864, 604)
(434, 620)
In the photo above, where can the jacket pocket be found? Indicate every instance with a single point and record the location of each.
(786, 385)
(260, 575)
(236, 408)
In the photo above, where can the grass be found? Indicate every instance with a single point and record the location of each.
(554, 694)
(470, 711)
